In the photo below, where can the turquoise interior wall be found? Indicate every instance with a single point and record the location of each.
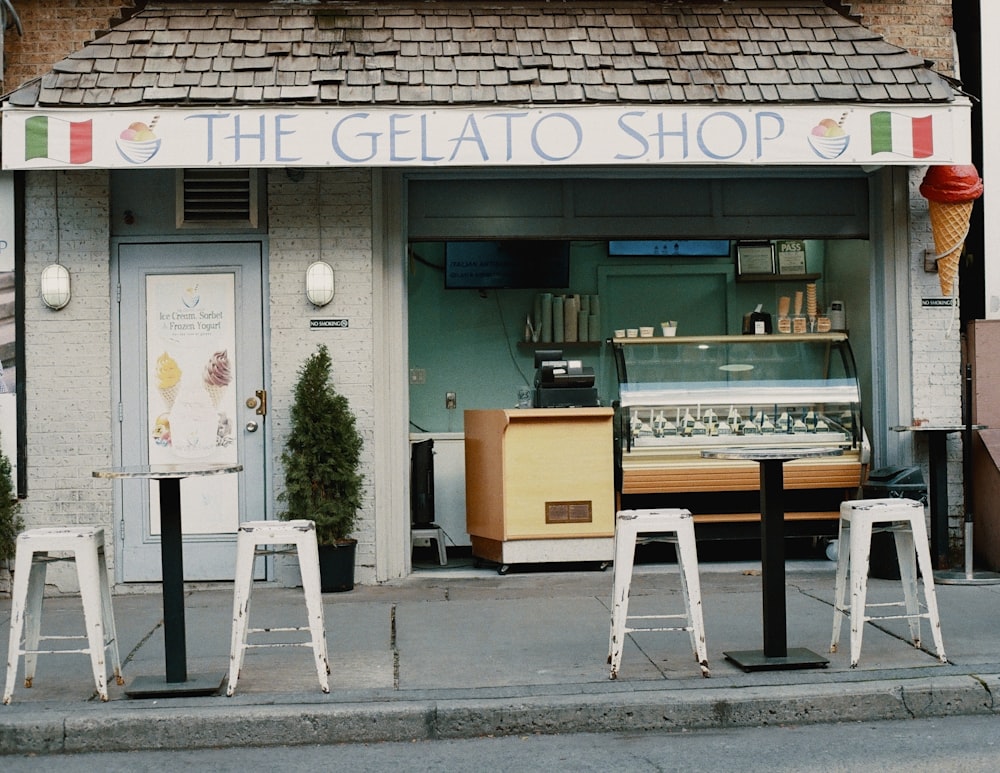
(848, 278)
(472, 343)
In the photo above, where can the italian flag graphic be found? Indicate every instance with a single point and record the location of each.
(71, 142)
(902, 134)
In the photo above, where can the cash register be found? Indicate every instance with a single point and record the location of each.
(562, 383)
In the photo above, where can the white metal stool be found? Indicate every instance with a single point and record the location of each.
(905, 519)
(250, 536)
(633, 527)
(432, 532)
(86, 543)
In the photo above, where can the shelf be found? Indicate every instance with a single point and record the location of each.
(558, 344)
(777, 277)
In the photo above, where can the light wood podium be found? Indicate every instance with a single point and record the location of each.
(539, 484)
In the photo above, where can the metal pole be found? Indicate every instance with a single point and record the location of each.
(967, 576)
(967, 470)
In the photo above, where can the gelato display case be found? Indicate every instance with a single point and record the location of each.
(678, 396)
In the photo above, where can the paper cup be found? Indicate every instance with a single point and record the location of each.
(620, 333)
(645, 332)
(632, 332)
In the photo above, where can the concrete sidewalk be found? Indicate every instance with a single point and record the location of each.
(457, 652)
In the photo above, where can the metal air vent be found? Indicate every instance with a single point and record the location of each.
(217, 198)
(569, 512)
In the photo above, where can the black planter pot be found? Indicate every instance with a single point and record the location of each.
(336, 566)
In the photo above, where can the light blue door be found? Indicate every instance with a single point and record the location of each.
(191, 381)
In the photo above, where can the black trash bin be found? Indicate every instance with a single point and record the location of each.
(887, 483)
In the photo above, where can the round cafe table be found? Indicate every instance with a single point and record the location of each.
(775, 654)
(177, 681)
(937, 494)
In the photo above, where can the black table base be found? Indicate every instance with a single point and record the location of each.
(177, 681)
(158, 687)
(776, 653)
(795, 657)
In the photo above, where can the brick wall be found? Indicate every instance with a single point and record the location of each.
(922, 26)
(51, 31)
(936, 351)
(68, 353)
(341, 201)
(68, 357)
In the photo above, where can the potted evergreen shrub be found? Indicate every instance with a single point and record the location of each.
(10, 522)
(321, 458)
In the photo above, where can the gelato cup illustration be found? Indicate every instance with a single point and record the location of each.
(216, 376)
(137, 144)
(168, 378)
(950, 192)
(828, 138)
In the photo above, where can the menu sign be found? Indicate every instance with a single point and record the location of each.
(191, 395)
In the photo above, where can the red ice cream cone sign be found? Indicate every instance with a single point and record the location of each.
(950, 192)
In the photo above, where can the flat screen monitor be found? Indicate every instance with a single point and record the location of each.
(547, 355)
(518, 264)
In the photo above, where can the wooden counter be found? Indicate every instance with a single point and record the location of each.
(650, 471)
(539, 484)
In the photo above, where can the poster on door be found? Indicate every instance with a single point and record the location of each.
(191, 392)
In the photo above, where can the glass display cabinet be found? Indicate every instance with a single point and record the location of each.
(678, 396)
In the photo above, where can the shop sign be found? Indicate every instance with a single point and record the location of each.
(476, 137)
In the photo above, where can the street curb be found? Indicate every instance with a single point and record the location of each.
(133, 726)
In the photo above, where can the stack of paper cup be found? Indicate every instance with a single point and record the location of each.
(838, 317)
(811, 300)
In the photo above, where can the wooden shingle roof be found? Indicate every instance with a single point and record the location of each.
(486, 53)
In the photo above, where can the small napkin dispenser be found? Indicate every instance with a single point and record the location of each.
(756, 322)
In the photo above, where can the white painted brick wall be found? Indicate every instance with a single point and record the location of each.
(936, 349)
(341, 201)
(68, 357)
(68, 353)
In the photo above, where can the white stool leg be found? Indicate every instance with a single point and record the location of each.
(930, 596)
(687, 553)
(33, 615)
(110, 629)
(88, 575)
(19, 601)
(861, 538)
(241, 606)
(442, 551)
(614, 591)
(309, 568)
(625, 539)
(908, 577)
(840, 592)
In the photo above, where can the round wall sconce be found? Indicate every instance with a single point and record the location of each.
(319, 283)
(55, 286)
